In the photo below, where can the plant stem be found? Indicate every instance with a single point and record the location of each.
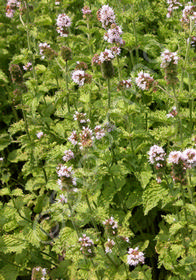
(67, 97)
(119, 74)
(123, 262)
(179, 126)
(74, 226)
(186, 219)
(97, 275)
(95, 226)
(109, 97)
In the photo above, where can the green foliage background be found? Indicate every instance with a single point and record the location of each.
(114, 176)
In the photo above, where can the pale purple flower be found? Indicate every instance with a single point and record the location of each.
(124, 84)
(40, 135)
(99, 132)
(42, 48)
(95, 59)
(86, 10)
(106, 56)
(1, 158)
(74, 138)
(135, 257)
(173, 113)
(111, 226)
(169, 58)
(109, 245)
(157, 156)
(193, 41)
(106, 16)
(68, 155)
(44, 272)
(176, 156)
(81, 117)
(115, 50)
(190, 156)
(64, 171)
(78, 76)
(113, 35)
(12, 5)
(65, 174)
(144, 80)
(57, 3)
(28, 66)
(62, 199)
(87, 246)
(109, 127)
(189, 13)
(173, 5)
(86, 138)
(63, 23)
(158, 179)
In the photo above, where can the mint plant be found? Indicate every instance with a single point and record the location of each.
(97, 145)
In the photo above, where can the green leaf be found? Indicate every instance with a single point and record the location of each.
(43, 20)
(40, 203)
(8, 272)
(4, 141)
(152, 195)
(3, 77)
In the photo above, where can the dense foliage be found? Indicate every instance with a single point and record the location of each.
(97, 144)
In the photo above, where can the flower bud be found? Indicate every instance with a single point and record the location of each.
(66, 53)
(16, 74)
(107, 69)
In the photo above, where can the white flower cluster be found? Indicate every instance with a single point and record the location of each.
(63, 170)
(193, 41)
(86, 10)
(109, 245)
(144, 80)
(74, 138)
(11, 7)
(189, 13)
(62, 199)
(28, 66)
(173, 113)
(40, 135)
(86, 138)
(106, 56)
(127, 83)
(63, 22)
(111, 226)
(66, 176)
(109, 127)
(106, 16)
(87, 246)
(42, 48)
(188, 157)
(43, 271)
(169, 58)
(99, 132)
(79, 77)
(68, 155)
(157, 156)
(135, 257)
(81, 117)
(113, 35)
(124, 84)
(173, 5)
(115, 50)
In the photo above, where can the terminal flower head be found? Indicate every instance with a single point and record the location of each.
(135, 257)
